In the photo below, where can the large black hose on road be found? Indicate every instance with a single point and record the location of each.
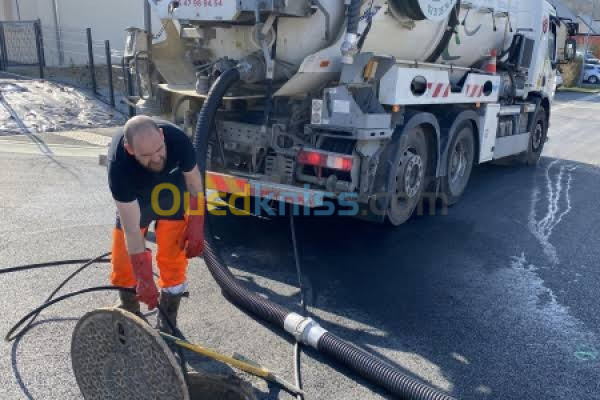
(376, 370)
(364, 363)
(236, 292)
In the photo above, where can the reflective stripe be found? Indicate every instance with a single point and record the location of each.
(227, 183)
(279, 192)
(175, 290)
(447, 92)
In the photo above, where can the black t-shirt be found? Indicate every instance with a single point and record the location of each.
(129, 180)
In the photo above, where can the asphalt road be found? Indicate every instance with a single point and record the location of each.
(496, 300)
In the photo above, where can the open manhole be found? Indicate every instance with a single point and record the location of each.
(208, 386)
(116, 355)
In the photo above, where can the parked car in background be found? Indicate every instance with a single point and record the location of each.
(559, 79)
(592, 61)
(591, 73)
(588, 54)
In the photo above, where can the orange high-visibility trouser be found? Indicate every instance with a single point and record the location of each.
(171, 260)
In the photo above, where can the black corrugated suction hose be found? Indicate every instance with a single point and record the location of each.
(376, 370)
(206, 118)
(364, 363)
(235, 291)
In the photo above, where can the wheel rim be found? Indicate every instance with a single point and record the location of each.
(458, 162)
(409, 177)
(409, 180)
(538, 135)
(413, 175)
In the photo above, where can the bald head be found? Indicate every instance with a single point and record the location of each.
(145, 141)
(140, 126)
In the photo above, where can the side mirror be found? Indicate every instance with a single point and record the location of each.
(570, 50)
(566, 47)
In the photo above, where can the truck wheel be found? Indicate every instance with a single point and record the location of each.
(537, 140)
(461, 157)
(593, 80)
(409, 177)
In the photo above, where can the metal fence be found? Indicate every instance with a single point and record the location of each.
(71, 56)
(21, 45)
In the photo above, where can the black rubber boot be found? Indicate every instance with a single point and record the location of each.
(169, 303)
(130, 303)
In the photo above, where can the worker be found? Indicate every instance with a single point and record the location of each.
(151, 167)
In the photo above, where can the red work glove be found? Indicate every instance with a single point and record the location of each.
(146, 289)
(192, 240)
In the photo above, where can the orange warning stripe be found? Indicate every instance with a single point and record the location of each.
(227, 183)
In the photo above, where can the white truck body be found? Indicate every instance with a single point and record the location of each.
(326, 111)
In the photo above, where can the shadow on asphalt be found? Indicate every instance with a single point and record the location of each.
(421, 288)
(566, 96)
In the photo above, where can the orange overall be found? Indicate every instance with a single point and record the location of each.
(171, 260)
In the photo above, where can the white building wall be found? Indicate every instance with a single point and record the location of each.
(107, 19)
(7, 10)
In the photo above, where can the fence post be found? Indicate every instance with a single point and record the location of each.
(3, 51)
(111, 88)
(39, 45)
(91, 60)
(129, 86)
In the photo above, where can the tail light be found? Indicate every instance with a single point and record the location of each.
(324, 159)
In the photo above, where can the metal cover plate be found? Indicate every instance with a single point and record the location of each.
(116, 355)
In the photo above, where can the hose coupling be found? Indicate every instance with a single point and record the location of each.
(349, 48)
(252, 68)
(305, 330)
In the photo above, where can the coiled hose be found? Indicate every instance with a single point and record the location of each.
(304, 329)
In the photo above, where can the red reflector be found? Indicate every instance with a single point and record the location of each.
(319, 159)
(344, 164)
(312, 158)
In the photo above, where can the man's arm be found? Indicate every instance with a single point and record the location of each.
(193, 181)
(130, 215)
(192, 240)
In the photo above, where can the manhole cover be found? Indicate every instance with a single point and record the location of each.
(116, 355)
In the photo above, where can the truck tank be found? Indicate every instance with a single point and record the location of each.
(455, 32)
(460, 33)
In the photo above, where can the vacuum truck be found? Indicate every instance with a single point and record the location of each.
(374, 105)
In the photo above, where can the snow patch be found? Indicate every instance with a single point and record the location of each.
(43, 106)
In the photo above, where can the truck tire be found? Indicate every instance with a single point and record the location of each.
(408, 180)
(537, 140)
(461, 158)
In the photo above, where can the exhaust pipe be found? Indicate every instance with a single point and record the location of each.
(305, 330)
